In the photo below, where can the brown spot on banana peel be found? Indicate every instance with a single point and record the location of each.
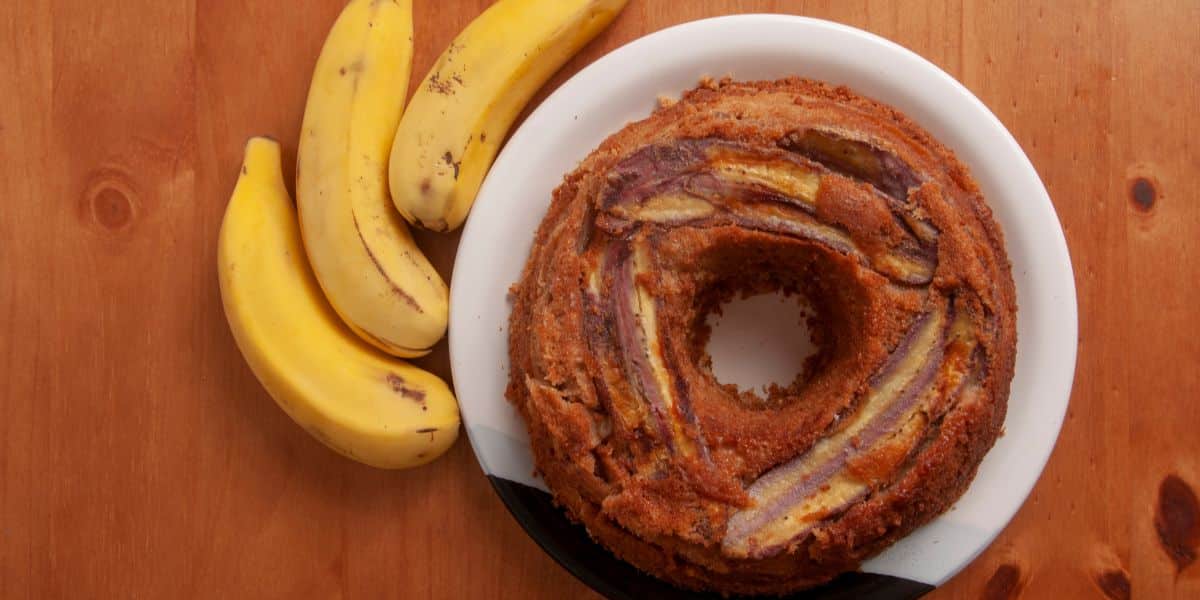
(408, 299)
(354, 67)
(449, 160)
(400, 386)
(438, 85)
(416, 265)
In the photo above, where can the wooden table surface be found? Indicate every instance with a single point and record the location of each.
(139, 457)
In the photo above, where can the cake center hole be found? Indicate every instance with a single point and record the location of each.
(760, 340)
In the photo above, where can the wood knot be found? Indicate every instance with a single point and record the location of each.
(337, 568)
(1114, 583)
(1177, 521)
(109, 200)
(1144, 193)
(1004, 584)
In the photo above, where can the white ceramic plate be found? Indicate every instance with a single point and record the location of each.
(622, 87)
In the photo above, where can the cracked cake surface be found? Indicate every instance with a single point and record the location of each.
(745, 187)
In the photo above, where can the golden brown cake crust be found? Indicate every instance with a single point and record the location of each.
(747, 187)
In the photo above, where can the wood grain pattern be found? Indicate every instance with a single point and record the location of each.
(140, 458)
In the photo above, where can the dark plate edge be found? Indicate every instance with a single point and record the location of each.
(569, 544)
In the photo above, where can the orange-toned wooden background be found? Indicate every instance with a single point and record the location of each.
(140, 458)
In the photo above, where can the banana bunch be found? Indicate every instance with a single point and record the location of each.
(317, 294)
(365, 405)
(461, 113)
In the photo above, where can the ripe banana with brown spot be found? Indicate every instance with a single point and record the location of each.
(358, 401)
(453, 127)
(374, 275)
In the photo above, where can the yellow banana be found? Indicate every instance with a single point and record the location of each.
(461, 112)
(360, 402)
(360, 249)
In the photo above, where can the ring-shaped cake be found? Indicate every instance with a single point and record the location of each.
(748, 187)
